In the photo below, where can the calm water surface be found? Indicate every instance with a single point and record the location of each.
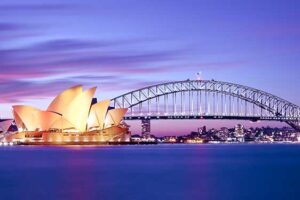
(151, 172)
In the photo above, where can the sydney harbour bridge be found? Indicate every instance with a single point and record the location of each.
(205, 99)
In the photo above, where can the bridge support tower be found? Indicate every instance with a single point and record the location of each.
(146, 128)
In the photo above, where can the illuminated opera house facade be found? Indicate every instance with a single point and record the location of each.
(72, 117)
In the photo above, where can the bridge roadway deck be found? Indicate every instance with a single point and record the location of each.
(215, 117)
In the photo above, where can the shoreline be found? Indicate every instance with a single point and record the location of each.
(4, 144)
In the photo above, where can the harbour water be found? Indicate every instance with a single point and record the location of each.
(211, 171)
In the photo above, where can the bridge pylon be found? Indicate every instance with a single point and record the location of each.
(146, 128)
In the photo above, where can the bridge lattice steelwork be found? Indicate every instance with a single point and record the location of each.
(206, 99)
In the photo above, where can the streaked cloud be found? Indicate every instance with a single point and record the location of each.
(35, 7)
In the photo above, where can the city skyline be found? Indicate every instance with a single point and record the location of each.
(122, 46)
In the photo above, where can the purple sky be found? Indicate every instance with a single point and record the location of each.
(47, 46)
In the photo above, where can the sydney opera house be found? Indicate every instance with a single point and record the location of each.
(73, 117)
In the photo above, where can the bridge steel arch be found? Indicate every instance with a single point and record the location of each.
(206, 99)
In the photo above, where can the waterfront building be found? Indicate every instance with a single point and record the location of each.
(170, 139)
(72, 117)
(136, 138)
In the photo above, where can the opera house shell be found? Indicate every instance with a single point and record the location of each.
(5, 125)
(70, 118)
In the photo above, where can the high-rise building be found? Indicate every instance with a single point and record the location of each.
(239, 132)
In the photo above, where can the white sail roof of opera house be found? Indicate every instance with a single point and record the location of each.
(71, 109)
(5, 124)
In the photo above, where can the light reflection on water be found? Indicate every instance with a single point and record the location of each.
(150, 172)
